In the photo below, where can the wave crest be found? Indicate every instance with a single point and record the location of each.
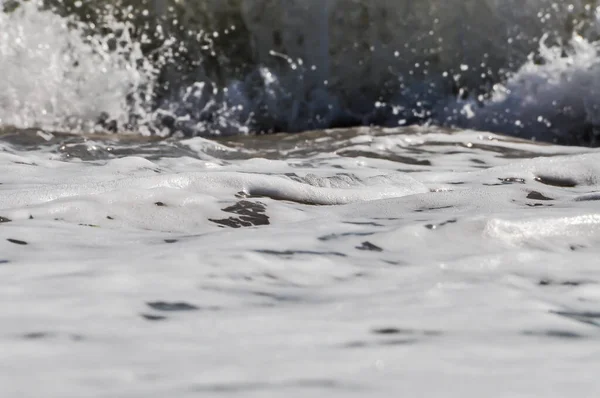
(215, 67)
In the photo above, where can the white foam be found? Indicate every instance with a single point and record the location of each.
(55, 76)
(555, 96)
(358, 262)
(430, 274)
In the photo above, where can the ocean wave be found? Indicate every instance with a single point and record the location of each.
(524, 68)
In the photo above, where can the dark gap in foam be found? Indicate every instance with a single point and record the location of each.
(398, 342)
(512, 180)
(326, 238)
(402, 331)
(587, 317)
(591, 197)
(553, 333)
(171, 306)
(283, 298)
(432, 209)
(291, 253)
(559, 182)
(434, 226)
(535, 195)
(249, 214)
(17, 241)
(573, 283)
(153, 318)
(48, 335)
(368, 246)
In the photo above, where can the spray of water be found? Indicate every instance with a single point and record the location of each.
(554, 96)
(61, 73)
(56, 76)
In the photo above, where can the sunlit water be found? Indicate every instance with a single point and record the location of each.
(362, 261)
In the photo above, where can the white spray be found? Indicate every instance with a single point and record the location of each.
(55, 76)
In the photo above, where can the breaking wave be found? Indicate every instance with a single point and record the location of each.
(527, 68)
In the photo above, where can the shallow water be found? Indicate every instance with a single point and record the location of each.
(343, 263)
(138, 259)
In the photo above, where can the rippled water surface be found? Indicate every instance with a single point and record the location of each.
(422, 233)
(341, 263)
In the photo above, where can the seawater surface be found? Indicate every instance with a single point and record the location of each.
(188, 68)
(421, 234)
(355, 262)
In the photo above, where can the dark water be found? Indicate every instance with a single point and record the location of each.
(229, 67)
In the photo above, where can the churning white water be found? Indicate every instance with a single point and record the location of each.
(558, 97)
(55, 76)
(67, 75)
(338, 263)
(363, 261)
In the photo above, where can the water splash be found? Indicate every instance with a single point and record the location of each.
(218, 68)
(56, 76)
(554, 96)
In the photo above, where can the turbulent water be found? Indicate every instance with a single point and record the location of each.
(525, 68)
(152, 245)
(342, 263)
